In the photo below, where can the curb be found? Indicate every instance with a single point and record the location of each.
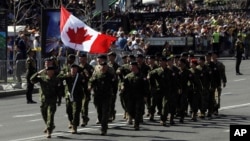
(16, 92)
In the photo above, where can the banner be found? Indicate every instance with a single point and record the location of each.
(51, 34)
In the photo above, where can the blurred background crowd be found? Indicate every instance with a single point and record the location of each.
(130, 21)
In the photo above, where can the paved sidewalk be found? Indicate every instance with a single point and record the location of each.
(10, 90)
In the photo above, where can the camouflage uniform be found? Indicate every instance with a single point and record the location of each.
(160, 83)
(175, 86)
(223, 80)
(73, 98)
(121, 73)
(205, 79)
(186, 77)
(144, 69)
(115, 66)
(49, 97)
(86, 71)
(134, 86)
(102, 85)
(195, 94)
(215, 81)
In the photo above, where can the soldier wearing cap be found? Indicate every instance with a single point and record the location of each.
(205, 79)
(195, 90)
(135, 87)
(98, 68)
(66, 67)
(49, 96)
(153, 93)
(100, 58)
(53, 54)
(115, 66)
(124, 59)
(30, 70)
(86, 70)
(186, 77)
(144, 69)
(221, 81)
(74, 95)
(159, 80)
(215, 81)
(121, 72)
(102, 83)
(175, 86)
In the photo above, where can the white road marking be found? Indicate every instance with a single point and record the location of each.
(237, 80)
(28, 115)
(227, 131)
(97, 126)
(228, 93)
(235, 106)
(34, 120)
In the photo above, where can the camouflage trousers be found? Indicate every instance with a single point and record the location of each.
(48, 112)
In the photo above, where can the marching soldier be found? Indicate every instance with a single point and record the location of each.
(185, 77)
(49, 96)
(221, 82)
(115, 66)
(121, 72)
(86, 70)
(175, 86)
(30, 70)
(159, 79)
(144, 69)
(74, 95)
(98, 69)
(205, 79)
(102, 84)
(215, 80)
(195, 92)
(155, 96)
(135, 87)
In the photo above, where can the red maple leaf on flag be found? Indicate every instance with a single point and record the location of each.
(79, 36)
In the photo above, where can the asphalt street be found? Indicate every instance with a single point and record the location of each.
(23, 122)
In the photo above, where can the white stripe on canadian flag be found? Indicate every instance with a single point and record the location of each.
(79, 36)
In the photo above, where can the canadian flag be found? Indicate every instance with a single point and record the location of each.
(79, 36)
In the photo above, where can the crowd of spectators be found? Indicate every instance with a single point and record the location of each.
(199, 26)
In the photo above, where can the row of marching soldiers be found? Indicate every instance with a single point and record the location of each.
(144, 84)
